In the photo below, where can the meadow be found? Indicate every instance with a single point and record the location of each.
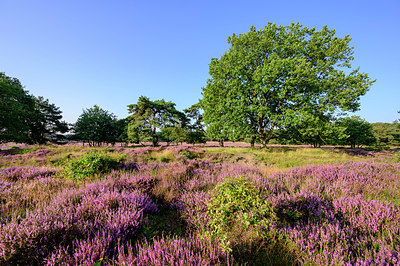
(182, 205)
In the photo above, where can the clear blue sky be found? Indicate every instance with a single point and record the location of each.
(81, 53)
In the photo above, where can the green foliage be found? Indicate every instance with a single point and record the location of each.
(96, 126)
(175, 134)
(148, 117)
(311, 129)
(396, 157)
(271, 76)
(121, 130)
(188, 155)
(47, 125)
(193, 112)
(387, 134)
(17, 108)
(25, 118)
(194, 137)
(236, 206)
(91, 164)
(358, 131)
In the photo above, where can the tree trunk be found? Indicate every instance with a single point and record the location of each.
(221, 142)
(253, 140)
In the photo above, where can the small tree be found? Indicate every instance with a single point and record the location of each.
(194, 113)
(96, 126)
(386, 134)
(46, 124)
(358, 131)
(196, 136)
(121, 126)
(149, 117)
(175, 134)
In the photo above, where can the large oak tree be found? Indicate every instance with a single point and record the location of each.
(270, 77)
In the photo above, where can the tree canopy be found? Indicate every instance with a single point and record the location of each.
(15, 106)
(387, 134)
(26, 118)
(47, 124)
(312, 129)
(270, 77)
(149, 117)
(358, 131)
(96, 126)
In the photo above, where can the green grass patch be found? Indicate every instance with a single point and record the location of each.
(290, 157)
(17, 150)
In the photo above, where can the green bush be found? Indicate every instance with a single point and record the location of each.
(236, 211)
(91, 164)
(396, 157)
(61, 161)
(164, 159)
(188, 155)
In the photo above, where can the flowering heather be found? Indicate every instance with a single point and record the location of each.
(74, 215)
(175, 251)
(84, 252)
(193, 206)
(16, 198)
(37, 156)
(327, 214)
(17, 173)
(373, 180)
(345, 214)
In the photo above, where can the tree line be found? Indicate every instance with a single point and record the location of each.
(26, 118)
(29, 119)
(278, 84)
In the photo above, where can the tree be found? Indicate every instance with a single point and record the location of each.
(358, 131)
(194, 113)
(121, 130)
(149, 117)
(96, 126)
(195, 136)
(195, 130)
(386, 134)
(175, 134)
(271, 76)
(46, 124)
(25, 118)
(312, 129)
(16, 105)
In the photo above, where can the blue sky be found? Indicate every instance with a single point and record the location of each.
(81, 53)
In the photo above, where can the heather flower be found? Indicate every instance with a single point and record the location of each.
(175, 251)
(74, 215)
(16, 173)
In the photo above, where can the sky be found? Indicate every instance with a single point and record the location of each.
(81, 53)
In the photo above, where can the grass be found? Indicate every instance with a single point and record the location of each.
(283, 158)
(272, 158)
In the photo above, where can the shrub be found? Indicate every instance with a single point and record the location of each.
(188, 155)
(90, 164)
(237, 211)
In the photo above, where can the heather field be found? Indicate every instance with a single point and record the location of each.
(184, 205)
